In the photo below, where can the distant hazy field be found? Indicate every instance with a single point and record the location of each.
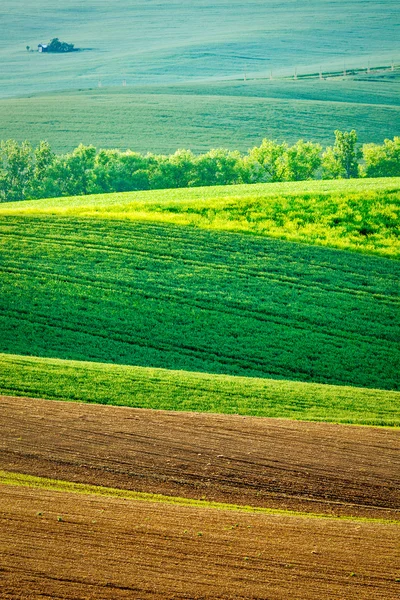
(158, 42)
(163, 50)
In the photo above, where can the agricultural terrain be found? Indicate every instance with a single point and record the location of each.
(199, 117)
(197, 75)
(360, 215)
(164, 42)
(231, 459)
(199, 388)
(147, 387)
(184, 298)
(201, 303)
(312, 527)
(91, 546)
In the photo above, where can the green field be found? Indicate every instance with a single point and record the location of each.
(184, 66)
(203, 117)
(362, 215)
(145, 41)
(183, 298)
(206, 280)
(142, 387)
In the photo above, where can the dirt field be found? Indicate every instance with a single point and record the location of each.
(62, 545)
(315, 467)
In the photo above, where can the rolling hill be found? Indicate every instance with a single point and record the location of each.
(183, 298)
(126, 317)
(184, 66)
(164, 42)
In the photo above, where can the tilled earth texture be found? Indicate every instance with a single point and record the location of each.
(312, 467)
(63, 545)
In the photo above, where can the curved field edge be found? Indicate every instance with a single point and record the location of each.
(162, 389)
(360, 215)
(57, 485)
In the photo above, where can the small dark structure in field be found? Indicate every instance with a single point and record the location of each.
(56, 46)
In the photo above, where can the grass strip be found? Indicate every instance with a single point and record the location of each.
(163, 389)
(57, 485)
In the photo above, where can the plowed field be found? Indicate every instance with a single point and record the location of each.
(62, 545)
(314, 467)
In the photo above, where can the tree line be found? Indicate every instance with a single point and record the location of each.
(28, 172)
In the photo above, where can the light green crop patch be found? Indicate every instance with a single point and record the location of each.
(163, 389)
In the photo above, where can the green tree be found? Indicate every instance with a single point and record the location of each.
(301, 161)
(44, 158)
(174, 171)
(218, 167)
(56, 46)
(73, 173)
(16, 170)
(340, 161)
(266, 162)
(116, 171)
(382, 160)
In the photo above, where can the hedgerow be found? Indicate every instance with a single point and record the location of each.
(39, 173)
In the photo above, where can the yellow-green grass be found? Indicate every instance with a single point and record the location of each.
(360, 215)
(57, 485)
(163, 389)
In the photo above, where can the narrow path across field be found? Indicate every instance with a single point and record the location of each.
(315, 467)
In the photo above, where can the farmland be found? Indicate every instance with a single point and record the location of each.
(237, 117)
(146, 387)
(164, 42)
(360, 215)
(205, 457)
(199, 388)
(182, 298)
(189, 90)
(91, 546)
(173, 503)
(311, 525)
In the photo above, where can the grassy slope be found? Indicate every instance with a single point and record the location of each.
(181, 298)
(361, 215)
(141, 387)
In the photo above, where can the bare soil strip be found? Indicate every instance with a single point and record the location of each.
(62, 545)
(313, 467)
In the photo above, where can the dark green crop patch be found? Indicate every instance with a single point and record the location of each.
(188, 299)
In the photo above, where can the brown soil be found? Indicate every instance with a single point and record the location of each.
(315, 467)
(63, 545)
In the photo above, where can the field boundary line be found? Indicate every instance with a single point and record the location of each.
(57, 485)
